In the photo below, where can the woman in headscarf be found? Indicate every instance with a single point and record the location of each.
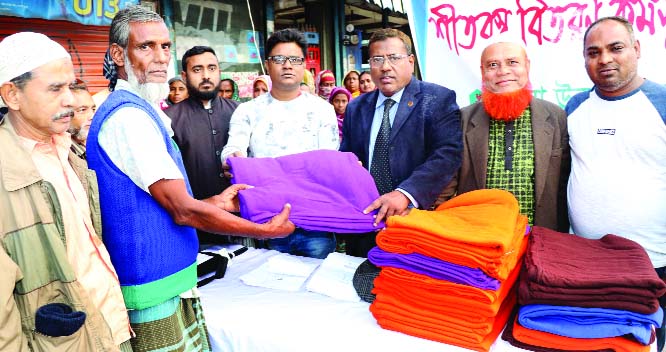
(177, 91)
(228, 85)
(325, 83)
(261, 85)
(351, 82)
(339, 98)
(309, 80)
(366, 84)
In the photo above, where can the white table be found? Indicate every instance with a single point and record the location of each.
(243, 318)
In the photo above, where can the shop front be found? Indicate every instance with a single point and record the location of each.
(81, 26)
(235, 29)
(342, 28)
(337, 32)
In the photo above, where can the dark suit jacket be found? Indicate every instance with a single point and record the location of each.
(552, 161)
(425, 145)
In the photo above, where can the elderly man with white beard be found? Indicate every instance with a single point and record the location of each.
(147, 205)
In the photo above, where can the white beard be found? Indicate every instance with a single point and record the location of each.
(152, 92)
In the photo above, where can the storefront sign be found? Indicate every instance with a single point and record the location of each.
(450, 36)
(90, 12)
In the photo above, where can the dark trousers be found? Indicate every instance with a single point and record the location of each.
(360, 244)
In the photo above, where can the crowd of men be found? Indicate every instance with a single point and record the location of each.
(100, 227)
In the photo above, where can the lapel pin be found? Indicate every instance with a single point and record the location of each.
(410, 103)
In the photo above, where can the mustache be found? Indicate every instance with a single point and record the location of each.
(204, 81)
(62, 115)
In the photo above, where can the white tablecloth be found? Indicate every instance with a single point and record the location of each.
(243, 318)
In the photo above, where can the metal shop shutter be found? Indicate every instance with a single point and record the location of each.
(87, 44)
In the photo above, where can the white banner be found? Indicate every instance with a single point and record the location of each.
(450, 35)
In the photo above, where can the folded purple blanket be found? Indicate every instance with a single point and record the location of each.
(327, 190)
(433, 267)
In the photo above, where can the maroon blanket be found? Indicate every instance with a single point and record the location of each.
(611, 272)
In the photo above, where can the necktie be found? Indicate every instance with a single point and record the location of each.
(380, 168)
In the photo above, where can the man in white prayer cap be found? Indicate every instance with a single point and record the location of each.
(59, 290)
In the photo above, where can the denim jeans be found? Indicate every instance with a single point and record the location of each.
(314, 244)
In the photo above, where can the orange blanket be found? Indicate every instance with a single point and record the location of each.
(479, 229)
(444, 297)
(392, 314)
(548, 340)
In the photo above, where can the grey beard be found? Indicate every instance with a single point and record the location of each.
(80, 134)
(152, 92)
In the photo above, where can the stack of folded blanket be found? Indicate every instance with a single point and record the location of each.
(327, 189)
(579, 294)
(448, 275)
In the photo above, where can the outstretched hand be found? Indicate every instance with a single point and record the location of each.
(389, 204)
(279, 226)
(228, 199)
(225, 165)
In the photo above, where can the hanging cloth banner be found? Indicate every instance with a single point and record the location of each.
(89, 12)
(449, 37)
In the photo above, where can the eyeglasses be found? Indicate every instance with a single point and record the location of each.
(394, 59)
(281, 59)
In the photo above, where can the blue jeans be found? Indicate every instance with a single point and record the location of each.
(314, 244)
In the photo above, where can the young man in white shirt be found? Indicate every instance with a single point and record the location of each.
(286, 121)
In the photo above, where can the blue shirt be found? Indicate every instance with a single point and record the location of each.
(379, 115)
(377, 123)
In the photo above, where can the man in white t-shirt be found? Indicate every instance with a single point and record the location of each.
(617, 134)
(286, 121)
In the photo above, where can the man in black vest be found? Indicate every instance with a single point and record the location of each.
(201, 127)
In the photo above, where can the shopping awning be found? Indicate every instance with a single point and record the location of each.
(393, 5)
(367, 14)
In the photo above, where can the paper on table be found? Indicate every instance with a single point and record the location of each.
(334, 277)
(290, 265)
(280, 272)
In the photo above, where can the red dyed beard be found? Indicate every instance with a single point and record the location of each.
(506, 106)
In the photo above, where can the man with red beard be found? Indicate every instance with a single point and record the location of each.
(516, 142)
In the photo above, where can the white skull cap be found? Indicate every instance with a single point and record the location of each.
(25, 51)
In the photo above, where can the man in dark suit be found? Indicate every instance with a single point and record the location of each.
(516, 142)
(407, 133)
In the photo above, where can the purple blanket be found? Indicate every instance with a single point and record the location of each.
(435, 268)
(327, 190)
